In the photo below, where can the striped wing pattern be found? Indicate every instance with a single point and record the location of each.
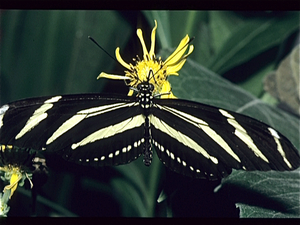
(73, 126)
(198, 140)
(190, 138)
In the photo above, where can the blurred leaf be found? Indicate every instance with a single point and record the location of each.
(222, 25)
(141, 186)
(177, 24)
(254, 84)
(48, 52)
(163, 29)
(252, 38)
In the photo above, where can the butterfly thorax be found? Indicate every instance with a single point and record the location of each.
(145, 95)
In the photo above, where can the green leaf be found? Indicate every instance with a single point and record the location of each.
(265, 194)
(252, 38)
(48, 52)
(254, 83)
(222, 25)
(138, 187)
(163, 29)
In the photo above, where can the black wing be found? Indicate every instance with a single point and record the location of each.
(204, 141)
(87, 129)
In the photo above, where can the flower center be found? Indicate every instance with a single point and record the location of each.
(152, 71)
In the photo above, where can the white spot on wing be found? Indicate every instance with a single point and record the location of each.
(279, 146)
(274, 133)
(172, 156)
(167, 151)
(3, 109)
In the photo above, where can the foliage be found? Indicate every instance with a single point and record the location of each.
(48, 53)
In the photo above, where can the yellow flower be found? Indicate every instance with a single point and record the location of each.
(15, 176)
(150, 69)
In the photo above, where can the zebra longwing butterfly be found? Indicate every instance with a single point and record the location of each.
(190, 138)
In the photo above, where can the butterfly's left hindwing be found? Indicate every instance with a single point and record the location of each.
(73, 125)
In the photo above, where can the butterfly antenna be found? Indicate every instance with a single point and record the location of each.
(95, 42)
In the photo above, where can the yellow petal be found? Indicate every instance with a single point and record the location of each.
(140, 35)
(166, 88)
(178, 53)
(15, 178)
(151, 53)
(172, 70)
(191, 49)
(120, 60)
(113, 76)
(130, 93)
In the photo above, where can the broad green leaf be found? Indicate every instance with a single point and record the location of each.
(265, 194)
